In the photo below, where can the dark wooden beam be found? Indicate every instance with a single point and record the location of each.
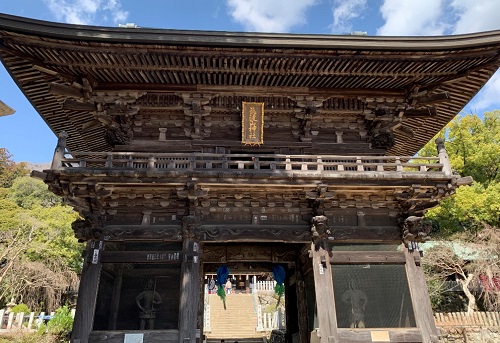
(79, 106)
(366, 233)
(276, 233)
(135, 232)
(371, 257)
(244, 252)
(431, 98)
(164, 336)
(72, 92)
(252, 90)
(421, 112)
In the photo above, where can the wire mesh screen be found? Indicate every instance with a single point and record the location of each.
(372, 296)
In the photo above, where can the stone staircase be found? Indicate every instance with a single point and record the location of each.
(237, 322)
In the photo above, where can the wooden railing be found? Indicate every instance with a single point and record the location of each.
(268, 321)
(206, 317)
(247, 162)
(264, 286)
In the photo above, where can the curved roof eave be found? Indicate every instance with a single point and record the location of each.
(241, 39)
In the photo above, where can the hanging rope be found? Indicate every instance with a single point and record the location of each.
(279, 276)
(222, 275)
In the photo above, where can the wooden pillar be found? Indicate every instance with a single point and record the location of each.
(325, 302)
(302, 304)
(115, 300)
(443, 157)
(87, 293)
(59, 151)
(201, 294)
(420, 297)
(189, 297)
(288, 308)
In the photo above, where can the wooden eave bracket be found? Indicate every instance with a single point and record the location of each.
(196, 107)
(38, 175)
(192, 191)
(307, 104)
(464, 181)
(427, 98)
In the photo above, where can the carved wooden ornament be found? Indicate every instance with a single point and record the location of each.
(252, 123)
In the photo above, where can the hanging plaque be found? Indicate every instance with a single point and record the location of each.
(252, 123)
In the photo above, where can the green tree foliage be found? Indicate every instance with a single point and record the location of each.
(473, 146)
(471, 216)
(55, 239)
(39, 256)
(10, 170)
(9, 212)
(27, 193)
(468, 210)
(21, 308)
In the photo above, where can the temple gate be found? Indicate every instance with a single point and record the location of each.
(185, 151)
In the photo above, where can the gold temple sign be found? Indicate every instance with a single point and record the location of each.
(252, 123)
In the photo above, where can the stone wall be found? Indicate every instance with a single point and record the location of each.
(469, 335)
(460, 327)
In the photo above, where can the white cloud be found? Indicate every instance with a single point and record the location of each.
(412, 18)
(488, 98)
(476, 16)
(87, 12)
(343, 12)
(269, 15)
(438, 17)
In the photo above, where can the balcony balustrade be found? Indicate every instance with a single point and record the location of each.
(248, 162)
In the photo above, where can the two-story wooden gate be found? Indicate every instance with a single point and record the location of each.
(184, 151)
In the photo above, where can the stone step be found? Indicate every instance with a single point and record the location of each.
(237, 321)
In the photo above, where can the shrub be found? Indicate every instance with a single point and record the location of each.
(21, 308)
(62, 322)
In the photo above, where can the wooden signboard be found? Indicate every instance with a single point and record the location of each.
(252, 123)
(141, 257)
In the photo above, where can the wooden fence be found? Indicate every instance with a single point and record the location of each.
(458, 319)
(21, 321)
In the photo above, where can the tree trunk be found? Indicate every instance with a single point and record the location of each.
(471, 306)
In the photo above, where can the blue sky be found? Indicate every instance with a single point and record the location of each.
(28, 138)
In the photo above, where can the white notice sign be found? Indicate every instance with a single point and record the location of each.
(133, 338)
(380, 336)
